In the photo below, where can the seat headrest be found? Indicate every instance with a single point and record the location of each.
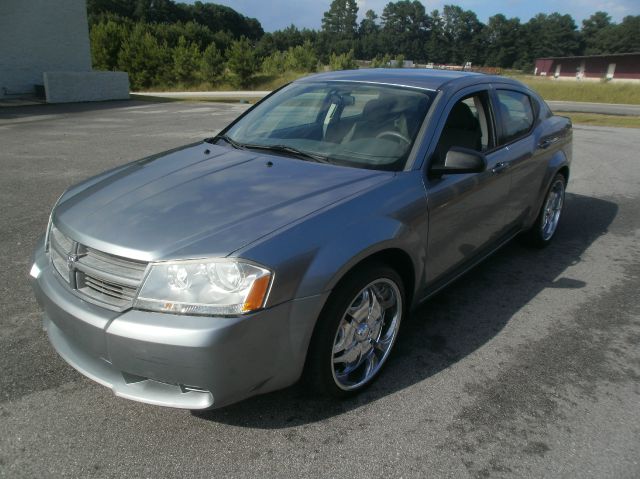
(377, 108)
(461, 118)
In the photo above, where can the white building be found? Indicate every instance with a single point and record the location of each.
(46, 42)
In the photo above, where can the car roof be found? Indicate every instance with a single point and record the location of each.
(426, 78)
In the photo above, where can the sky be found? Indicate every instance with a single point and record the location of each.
(278, 14)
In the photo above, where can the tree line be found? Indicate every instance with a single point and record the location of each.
(163, 43)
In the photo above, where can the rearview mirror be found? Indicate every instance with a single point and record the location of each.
(460, 160)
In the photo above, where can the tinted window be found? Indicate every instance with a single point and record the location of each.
(467, 126)
(516, 114)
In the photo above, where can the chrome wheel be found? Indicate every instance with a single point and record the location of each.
(552, 210)
(366, 334)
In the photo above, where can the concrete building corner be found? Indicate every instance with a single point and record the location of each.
(44, 46)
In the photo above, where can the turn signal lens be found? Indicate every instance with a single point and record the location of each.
(257, 295)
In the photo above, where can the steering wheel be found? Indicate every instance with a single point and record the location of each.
(395, 134)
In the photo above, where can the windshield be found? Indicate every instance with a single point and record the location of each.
(353, 124)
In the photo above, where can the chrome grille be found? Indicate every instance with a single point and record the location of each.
(106, 279)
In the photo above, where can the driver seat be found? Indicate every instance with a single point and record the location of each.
(380, 115)
(461, 129)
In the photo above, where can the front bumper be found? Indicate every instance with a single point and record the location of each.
(191, 362)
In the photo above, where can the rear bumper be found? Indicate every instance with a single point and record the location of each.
(190, 362)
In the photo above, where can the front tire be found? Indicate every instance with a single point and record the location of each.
(544, 229)
(356, 331)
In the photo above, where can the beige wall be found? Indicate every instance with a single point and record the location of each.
(38, 36)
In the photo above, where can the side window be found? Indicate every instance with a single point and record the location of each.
(516, 114)
(468, 126)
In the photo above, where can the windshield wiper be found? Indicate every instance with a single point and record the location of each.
(304, 155)
(275, 148)
(229, 140)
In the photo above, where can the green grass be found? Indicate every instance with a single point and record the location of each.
(595, 119)
(588, 91)
(271, 82)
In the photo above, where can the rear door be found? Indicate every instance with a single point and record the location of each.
(526, 155)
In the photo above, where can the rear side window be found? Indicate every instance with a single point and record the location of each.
(516, 114)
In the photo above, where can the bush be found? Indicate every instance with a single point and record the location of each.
(344, 61)
(274, 63)
(301, 58)
(381, 62)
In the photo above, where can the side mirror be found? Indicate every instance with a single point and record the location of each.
(460, 160)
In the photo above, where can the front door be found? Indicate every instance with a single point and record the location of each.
(467, 212)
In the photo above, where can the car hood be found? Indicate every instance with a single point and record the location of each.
(201, 200)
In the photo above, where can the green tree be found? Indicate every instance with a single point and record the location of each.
(629, 31)
(544, 35)
(106, 42)
(404, 29)
(186, 61)
(341, 18)
(591, 27)
(144, 59)
(369, 36)
(339, 27)
(438, 45)
(463, 31)
(502, 41)
(242, 61)
(619, 38)
(216, 18)
(212, 63)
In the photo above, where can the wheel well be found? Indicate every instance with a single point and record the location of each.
(400, 261)
(564, 171)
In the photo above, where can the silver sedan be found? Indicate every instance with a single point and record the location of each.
(294, 243)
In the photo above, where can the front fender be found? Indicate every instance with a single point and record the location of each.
(357, 243)
(310, 257)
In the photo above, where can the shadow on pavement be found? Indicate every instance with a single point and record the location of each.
(452, 325)
(17, 112)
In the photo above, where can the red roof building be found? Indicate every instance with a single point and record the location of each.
(615, 67)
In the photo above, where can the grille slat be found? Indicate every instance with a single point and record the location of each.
(109, 280)
(109, 288)
(114, 265)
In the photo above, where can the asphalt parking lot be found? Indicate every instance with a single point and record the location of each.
(527, 367)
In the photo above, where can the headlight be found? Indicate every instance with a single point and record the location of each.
(48, 232)
(211, 287)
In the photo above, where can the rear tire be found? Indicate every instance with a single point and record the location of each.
(546, 225)
(356, 331)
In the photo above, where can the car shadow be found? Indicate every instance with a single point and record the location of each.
(450, 326)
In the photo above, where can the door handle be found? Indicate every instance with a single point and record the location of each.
(500, 166)
(548, 142)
